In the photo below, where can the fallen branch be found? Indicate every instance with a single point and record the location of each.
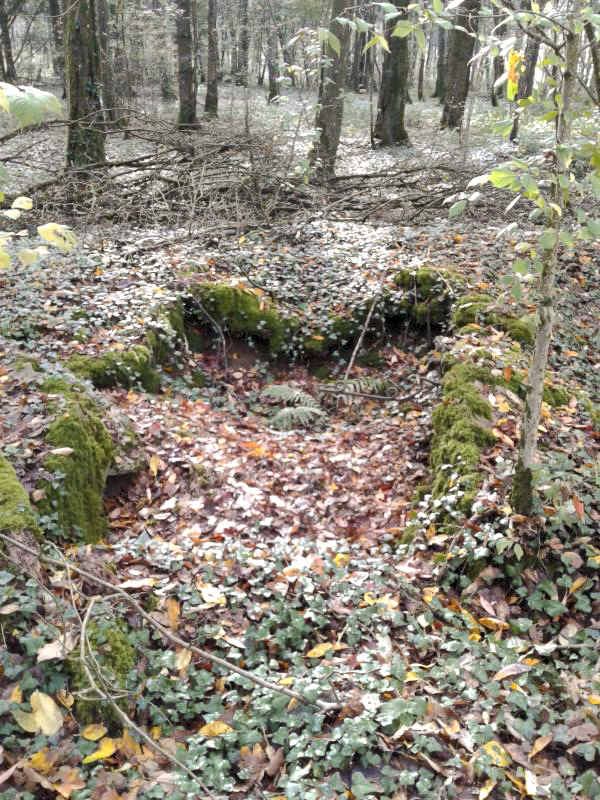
(172, 637)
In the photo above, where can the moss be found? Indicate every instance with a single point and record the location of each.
(521, 495)
(57, 385)
(427, 280)
(126, 369)
(115, 655)
(468, 308)
(520, 329)
(76, 497)
(243, 313)
(430, 312)
(370, 359)
(556, 395)
(16, 513)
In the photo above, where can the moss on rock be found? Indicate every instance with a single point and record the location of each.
(16, 513)
(74, 496)
(468, 309)
(243, 313)
(520, 329)
(127, 368)
(429, 294)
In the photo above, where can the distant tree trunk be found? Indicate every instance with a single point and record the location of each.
(389, 127)
(211, 102)
(440, 73)
(463, 43)
(85, 142)
(498, 64)
(360, 60)
(186, 67)
(595, 54)
(242, 70)
(421, 77)
(121, 68)
(108, 82)
(331, 96)
(9, 64)
(58, 43)
(272, 65)
(526, 79)
(286, 55)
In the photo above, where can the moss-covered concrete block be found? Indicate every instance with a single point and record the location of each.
(128, 368)
(469, 308)
(16, 513)
(430, 292)
(73, 497)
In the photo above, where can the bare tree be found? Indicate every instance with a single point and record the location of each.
(389, 127)
(186, 66)
(459, 56)
(211, 101)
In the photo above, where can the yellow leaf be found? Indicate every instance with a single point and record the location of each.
(288, 681)
(319, 650)
(292, 704)
(341, 559)
(516, 688)
(510, 670)
(46, 712)
(12, 213)
(41, 762)
(129, 745)
(216, 728)
(154, 464)
(27, 721)
(4, 259)
(211, 594)
(531, 661)
(487, 789)
(173, 609)
(497, 753)
(94, 732)
(59, 235)
(106, 748)
(64, 697)
(16, 696)
(24, 203)
(183, 658)
(539, 744)
(503, 406)
(429, 592)
(493, 624)
(577, 584)
(28, 256)
(411, 676)
(156, 732)
(594, 699)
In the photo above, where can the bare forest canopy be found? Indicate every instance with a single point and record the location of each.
(299, 400)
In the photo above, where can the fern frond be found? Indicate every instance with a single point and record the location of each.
(296, 416)
(290, 395)
(363, 385)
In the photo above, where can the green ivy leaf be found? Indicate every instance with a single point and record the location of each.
(548, 239)
(457, 208)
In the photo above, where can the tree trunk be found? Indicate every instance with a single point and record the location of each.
(242, 66)
(498, 63)
(9, 64)
(272, 65)
(330, 110)
(522, 487)
(85, 142)
(440, 74)
(595, 54)
(121, 69)
(211, 102)
(461, 50)
(389, 127)
(421, 77)
(285, 53)
(186, 67)
(58, 43)
(532, 49)
(108, 81)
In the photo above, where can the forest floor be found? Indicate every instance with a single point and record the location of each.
(302, 556)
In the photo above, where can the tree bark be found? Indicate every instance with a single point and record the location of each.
(522, 486)
(211, 101)
(58, 42)
(186, 67)
(498, 63)
(532, 49)
(330, 110)
(242, 65)
(85, 141)
(440, 73)
(389, 127)
(272, 65)
(108, 81)
(595, 54)
(461, 50)
(9, 64)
